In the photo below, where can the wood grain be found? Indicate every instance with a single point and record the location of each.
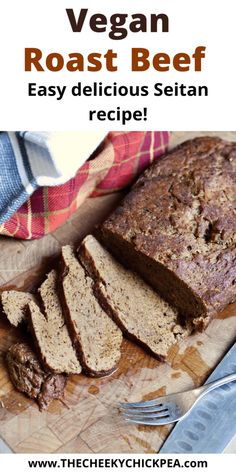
(88, 419)
(22, 263)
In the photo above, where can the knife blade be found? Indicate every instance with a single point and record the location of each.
(212, 423)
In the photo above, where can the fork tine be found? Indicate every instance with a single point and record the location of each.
(147, 409)
(157, 402)
(151, 422)
(141, 415)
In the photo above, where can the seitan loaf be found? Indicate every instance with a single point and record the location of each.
(140, 312)
(95, 335)
(177, 228)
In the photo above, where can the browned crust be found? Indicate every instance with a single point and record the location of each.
(63, 270)
(31, 378)
(192, 305)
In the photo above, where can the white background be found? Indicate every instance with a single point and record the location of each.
(215, 462)
(44, 24)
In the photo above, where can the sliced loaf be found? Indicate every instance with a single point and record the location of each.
(14, 304)
(177, 228)
(50, 332)
(141, 314)
(95, 335)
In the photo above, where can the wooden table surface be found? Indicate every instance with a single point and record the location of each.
(88, 421)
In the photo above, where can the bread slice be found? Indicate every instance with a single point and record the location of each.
(95, 335)
(50, 331)
(14, 304)
(140, 313)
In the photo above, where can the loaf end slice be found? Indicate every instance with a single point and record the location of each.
(141, 313)
(96, 337)
(14, 305)
(50, 331)
(29, 377)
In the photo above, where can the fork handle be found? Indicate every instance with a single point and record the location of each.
(212, 385)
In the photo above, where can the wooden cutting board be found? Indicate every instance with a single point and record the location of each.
(88, 420)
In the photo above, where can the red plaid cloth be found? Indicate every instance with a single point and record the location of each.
(116, 163)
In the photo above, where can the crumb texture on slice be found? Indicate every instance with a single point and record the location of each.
(96, 336)
(140, 312)
(14, 304)
(50, 331)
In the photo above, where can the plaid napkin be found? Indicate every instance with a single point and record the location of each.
(41, 186)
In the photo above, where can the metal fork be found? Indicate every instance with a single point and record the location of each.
(170, 408)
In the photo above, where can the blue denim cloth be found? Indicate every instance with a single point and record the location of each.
(14, 188)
